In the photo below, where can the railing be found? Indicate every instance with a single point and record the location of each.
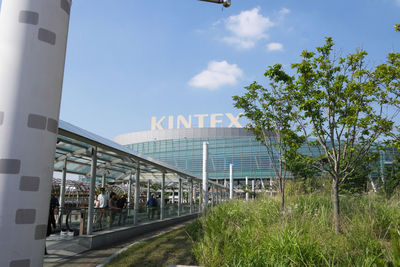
(75, 219)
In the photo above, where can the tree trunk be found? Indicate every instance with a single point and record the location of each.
(282, 189)
(336, 206)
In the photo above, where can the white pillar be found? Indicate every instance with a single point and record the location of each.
(191, 195)
(162, 212)
(33, 36)
(91, 191)
(137, 195)
(217, 195)
(252, 189)
(62, 192)
(205, 176)
(201, 199)
(148, 190)
(180, 197)
(231, 181)
(212, 195)
(129, 190)
(247, 188)
(103, 178)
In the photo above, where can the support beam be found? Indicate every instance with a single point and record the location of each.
(103, 179)
(137, 195)
(180, 197)
(230, 181)
(212, 195)
(91, 192)
(205, 176)
(247, 188)
(62, 193)
(129, 191)
(252, 189)
(162, 202)
(191, 195)
(148, 190)
(201, 200)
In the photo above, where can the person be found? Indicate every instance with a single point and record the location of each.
(151, 206)
(51, 222)
(102, 198)
(112, 204)
(122, 203)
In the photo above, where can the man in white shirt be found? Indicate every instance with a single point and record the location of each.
(103, 204)
(103, 198)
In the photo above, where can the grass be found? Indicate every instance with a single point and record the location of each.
(256, 234)
(170, 248)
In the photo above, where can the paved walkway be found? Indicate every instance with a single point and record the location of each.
(65, 250)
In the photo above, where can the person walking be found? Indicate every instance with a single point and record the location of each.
(151, 206)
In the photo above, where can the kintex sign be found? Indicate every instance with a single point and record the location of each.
(199, 120)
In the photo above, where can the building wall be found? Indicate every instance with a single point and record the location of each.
(183, 148)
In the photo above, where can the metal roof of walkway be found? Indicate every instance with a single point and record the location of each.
(114, 162)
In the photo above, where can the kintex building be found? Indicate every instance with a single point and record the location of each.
(178, 141)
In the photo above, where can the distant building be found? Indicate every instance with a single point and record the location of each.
(183, 148)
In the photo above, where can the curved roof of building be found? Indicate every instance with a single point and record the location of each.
(170, 134)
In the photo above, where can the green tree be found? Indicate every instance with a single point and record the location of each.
(342, 105)
(392, 176)
(302, 170)
(271, 120)
(340, 110)
(357, 181)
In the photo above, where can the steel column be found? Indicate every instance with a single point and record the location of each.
(247, 188)
(180, 197)
(230, 181)
(205, 176)
(148, 190)
(62, 192)
(162, 202)
(252, 189)
(92, 191)
(103, 179)
(191, 195)
(137, 195)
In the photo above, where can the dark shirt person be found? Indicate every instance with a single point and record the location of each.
(151, 206)
(121, 204)
(112, 204)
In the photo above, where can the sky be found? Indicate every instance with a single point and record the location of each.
(130, 60)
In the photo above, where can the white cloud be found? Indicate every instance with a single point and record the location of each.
(241, 43)
(217, 74)
(284, 11)
(247, 28)
(275, 47)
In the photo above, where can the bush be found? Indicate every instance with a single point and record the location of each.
(254, 233)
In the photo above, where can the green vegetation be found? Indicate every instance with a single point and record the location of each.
(255, 233)
(336, 108)
(170, 248)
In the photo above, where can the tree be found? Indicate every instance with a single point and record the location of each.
(340, 110)
(357, 181)
(392, 176)
(270, 114)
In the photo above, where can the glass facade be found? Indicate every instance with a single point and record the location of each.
(248, 156)
(183, 149)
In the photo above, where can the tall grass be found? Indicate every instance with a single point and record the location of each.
(255, 233)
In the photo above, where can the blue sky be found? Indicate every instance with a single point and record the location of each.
(129, 60)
